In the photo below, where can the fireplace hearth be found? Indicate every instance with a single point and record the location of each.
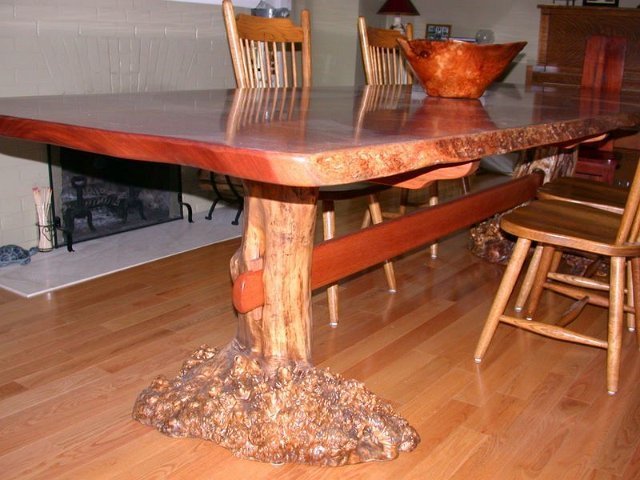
(97, 195)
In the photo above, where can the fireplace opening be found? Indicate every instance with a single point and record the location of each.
(97, 195)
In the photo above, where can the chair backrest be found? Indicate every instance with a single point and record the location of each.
(268, 52)
(629, 230)
(603, 66)
(381, 56)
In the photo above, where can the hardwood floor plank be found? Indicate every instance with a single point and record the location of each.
(496, 415)
(375, 341)
(622, 440)
(56, 455)
(106, 464)
(29, 397)
(72, 364)
(10, 390)
(632, 471)
(449, 454)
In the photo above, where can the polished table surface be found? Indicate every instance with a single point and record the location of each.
(332, 146)
(260, 396)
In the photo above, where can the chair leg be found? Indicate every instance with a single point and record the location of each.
(328, 232)
(539, 287)
(546, 259)
(616, 314)
(366, 219)
(527, 283)
(635, 273)
(630, 287)
(433, 201)
(404, 201)
(555, 261)
(376, 217)
(502, 296)
(466, 185)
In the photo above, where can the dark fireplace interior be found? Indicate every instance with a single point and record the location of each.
(97, 195)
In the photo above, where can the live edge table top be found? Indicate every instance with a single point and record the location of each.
(317, 136)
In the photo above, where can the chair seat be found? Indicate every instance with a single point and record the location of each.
(569, 225)
(585, 192)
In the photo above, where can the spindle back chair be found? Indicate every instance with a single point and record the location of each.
(383, 62)
(268, 52)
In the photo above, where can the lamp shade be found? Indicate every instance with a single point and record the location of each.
(398, 7)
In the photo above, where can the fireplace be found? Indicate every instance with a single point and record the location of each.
(97, 195)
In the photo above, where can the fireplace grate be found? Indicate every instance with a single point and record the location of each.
(98, 195)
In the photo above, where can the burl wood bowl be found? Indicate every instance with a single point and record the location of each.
(456, 69)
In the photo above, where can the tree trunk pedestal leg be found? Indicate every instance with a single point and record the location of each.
(260, 396)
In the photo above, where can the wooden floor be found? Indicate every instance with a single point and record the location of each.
(72, 363)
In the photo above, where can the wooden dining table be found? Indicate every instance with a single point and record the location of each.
(260, 395)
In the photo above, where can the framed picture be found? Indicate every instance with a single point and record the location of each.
(599, 3)
(438, 32)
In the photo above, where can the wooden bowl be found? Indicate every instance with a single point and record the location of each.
(456, 69)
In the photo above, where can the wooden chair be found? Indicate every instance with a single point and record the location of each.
(273, 52)
(564, 225)
(577, 191)
(585, 192)
(602, 76)
(259, 64)
(381, 56)
(602, 73)
(384, 64)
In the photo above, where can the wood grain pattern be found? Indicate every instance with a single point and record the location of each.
(260, 395)
(393, 237)
(331, 150)
(383, 241)
(597, 228)
(264, 54)
(604, 62)
(563, 37)
(457, 69)
(485, 419)
(585, 192)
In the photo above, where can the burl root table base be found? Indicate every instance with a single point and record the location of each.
(260, 396)
(293, 414)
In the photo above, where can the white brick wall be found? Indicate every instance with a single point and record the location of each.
(98, 46)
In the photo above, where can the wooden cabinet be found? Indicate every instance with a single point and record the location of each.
(564, 32)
